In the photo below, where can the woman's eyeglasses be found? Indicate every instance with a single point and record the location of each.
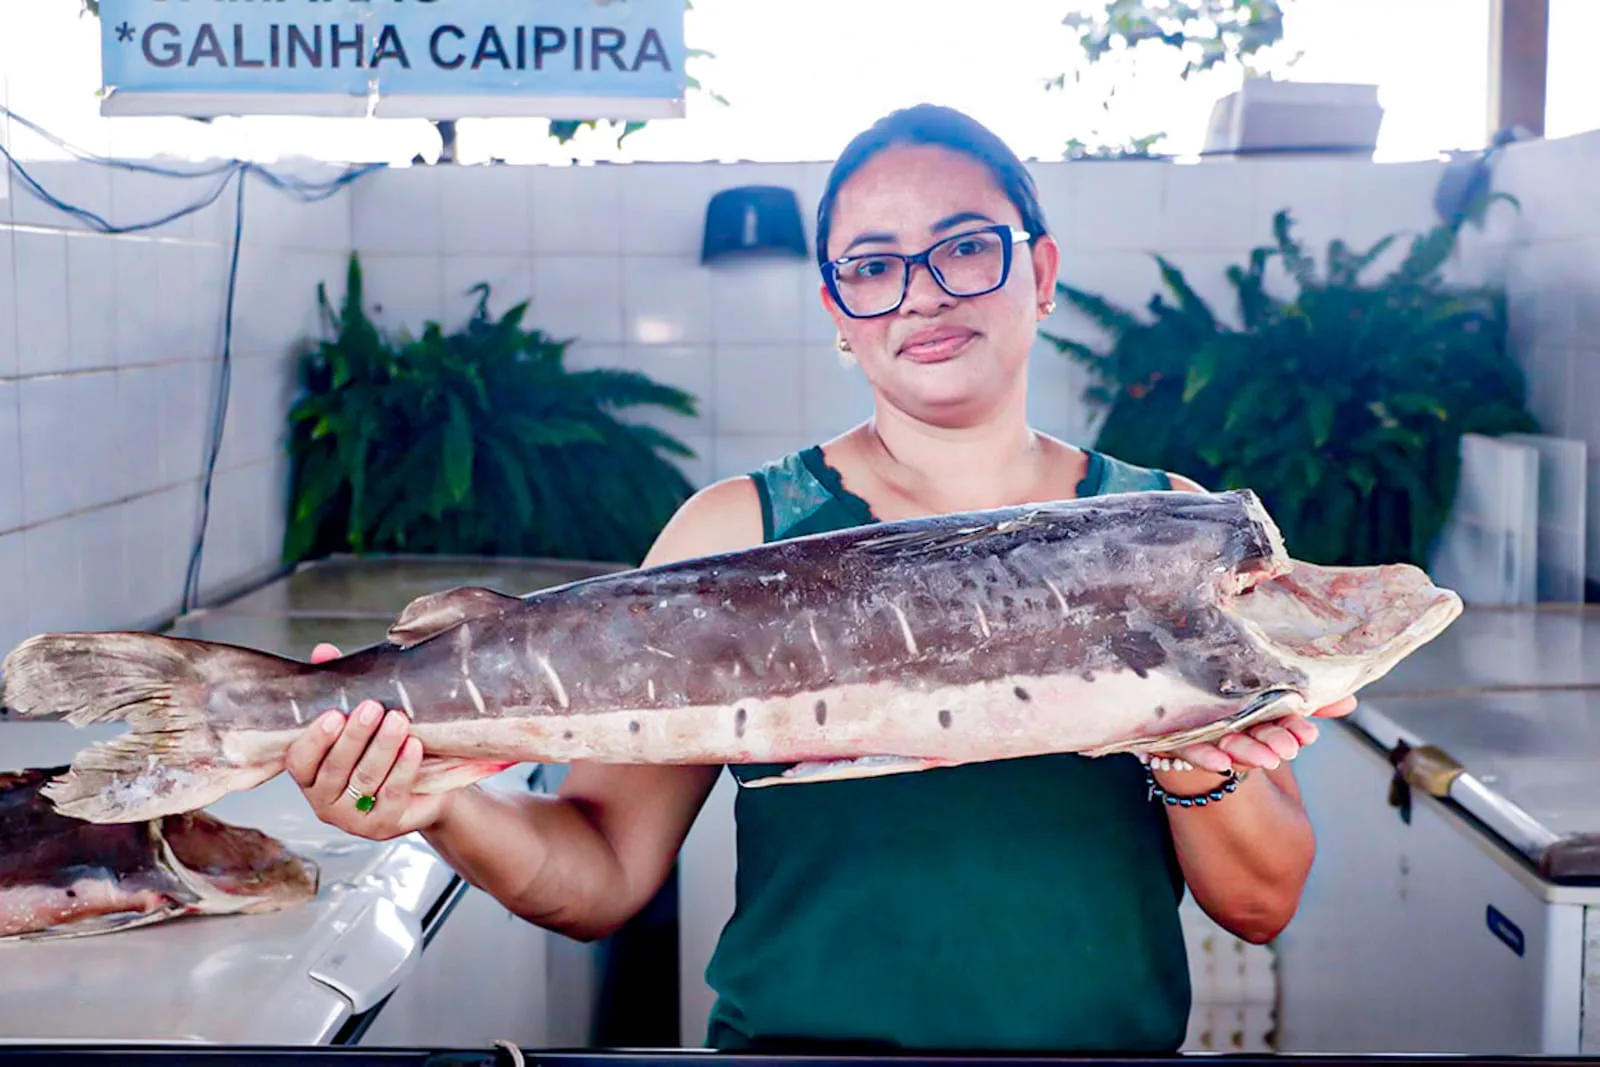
(966, 264)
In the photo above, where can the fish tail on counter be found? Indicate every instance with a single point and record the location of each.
(173, 759)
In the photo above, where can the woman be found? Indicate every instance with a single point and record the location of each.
(1022, 904)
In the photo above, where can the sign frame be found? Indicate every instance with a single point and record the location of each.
(434, 59)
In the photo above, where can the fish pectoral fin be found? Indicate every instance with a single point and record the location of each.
(441, 774)
(430, 615)
(843, 769)
(1272, 704)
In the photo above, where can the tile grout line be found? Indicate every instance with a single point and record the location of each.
(111, 368)
(105, 505)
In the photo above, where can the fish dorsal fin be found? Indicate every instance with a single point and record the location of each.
(433, 614)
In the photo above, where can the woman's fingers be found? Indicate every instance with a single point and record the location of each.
(1266, 745)
(1337, 708)
(373, 766)
(1305, 731)
(397, 785)
(1278, 738)
(1206, 757)
(340, 761)
(306, 753)
(1245, 749)
(359, 727)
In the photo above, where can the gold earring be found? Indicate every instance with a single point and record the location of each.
(1048, 307)
(845, 358)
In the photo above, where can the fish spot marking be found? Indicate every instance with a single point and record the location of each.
(740, 719)
(1161, 712)
(1139, 651)
(945, 718)
(822, 712)
(567, 736)
(633, 726)
(1021, 693)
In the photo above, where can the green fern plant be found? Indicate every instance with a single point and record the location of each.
(480, 441)
(1343, 407)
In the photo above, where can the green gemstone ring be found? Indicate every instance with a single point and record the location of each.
(364, 801)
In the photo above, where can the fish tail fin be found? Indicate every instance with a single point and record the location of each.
(173, 760)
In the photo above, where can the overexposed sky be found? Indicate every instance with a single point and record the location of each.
(803, 76)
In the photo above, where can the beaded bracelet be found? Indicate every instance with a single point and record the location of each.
(1199, 800)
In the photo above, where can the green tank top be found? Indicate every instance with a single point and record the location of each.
(1027, 904)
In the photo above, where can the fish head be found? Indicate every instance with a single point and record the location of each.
(1342, 627)
(238, 869)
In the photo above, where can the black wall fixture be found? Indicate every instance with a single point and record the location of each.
(753, 220)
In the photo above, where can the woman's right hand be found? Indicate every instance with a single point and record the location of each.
(342, 764)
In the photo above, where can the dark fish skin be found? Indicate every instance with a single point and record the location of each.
(739, 626)
(64, 877)
(1080, 625)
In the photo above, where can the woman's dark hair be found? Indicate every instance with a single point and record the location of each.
(930, 124)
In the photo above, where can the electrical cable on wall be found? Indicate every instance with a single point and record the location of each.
(233, 170)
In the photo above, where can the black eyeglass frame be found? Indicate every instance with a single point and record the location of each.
(1010, 237)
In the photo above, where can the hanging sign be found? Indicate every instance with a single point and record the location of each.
(441, 59)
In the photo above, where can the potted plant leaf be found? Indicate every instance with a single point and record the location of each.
(1342, 405)
(480, 441)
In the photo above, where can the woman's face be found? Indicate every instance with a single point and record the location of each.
(944, 360)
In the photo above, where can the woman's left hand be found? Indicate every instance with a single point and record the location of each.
(1266, 744)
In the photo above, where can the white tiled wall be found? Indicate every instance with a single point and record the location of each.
(110, 350)
(1548, 257)
(610, 255)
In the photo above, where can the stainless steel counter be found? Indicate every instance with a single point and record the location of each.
(1547, 646)
(1513, 697)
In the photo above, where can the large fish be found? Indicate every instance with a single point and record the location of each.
(62, 877)
(1134, 622)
